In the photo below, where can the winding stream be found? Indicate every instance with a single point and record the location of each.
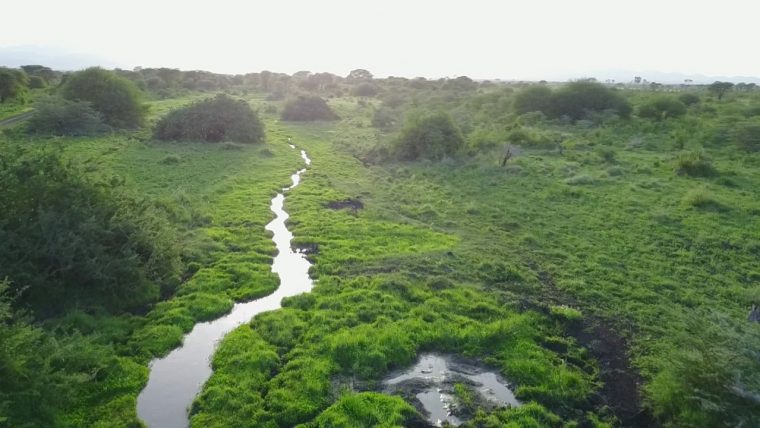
(176, 379)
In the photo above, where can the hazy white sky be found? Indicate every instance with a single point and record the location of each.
(481, 39)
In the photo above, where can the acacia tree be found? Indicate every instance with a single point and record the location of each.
(719, 89)
(13, 83)
(359, 74)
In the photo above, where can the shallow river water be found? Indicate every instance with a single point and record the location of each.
(177, 378)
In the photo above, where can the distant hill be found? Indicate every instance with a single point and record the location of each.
(56, 59)
(626, 76)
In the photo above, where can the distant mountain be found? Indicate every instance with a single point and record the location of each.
(57, 59)
(626, 76)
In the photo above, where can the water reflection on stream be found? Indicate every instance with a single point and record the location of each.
(177, 378)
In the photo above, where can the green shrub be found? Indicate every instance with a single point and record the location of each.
(221, 118)
(688, 98)
(533, 98)
(747, 136)
(13, 84)
(57, 116)
(429, 136)
(307, 109)
(577, 99)
(70, 241)
(694, 164)
(36, 82)
(662, 108)
(565, 313)
(113, 96)
(365, 89)
(700, 198)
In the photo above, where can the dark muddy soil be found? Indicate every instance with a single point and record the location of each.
(622, 382)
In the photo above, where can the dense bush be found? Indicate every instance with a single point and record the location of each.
(533, 98)
(57, 116)
(37, 82)
(747, 136)
(308, 108)
(694, 164)
(365, 89)
(688, 98)
(213, 120)
(13, 83)
(113, 96)
(577, 99)
(431, 136)
(662, 108)
(69, 241)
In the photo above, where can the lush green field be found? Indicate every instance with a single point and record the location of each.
(609, 226)
(218, 196)
(609, 280)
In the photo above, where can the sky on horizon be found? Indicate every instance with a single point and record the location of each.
(525, 39)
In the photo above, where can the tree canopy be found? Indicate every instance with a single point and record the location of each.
(113, 96)
(430, 136)
(70, 241)
(719, 89)
(308, 108)
(13, 83)
(221, 118)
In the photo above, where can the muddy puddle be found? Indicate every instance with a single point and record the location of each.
(430, 383)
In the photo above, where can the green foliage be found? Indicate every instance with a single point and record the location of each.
(428, 136)
(113, 96)
(577, 99)
(58, 116)
(40, 373)
(36, 82)
(534, 98)
(13, 84)
(700, 198)
(689, 99)
(747, 136)
(307, 109)
(365, 410)
(566, 313)
(364, 89)
(212, 120)
(67, 240)
(662, 108)
(719, 89)
(694, 164)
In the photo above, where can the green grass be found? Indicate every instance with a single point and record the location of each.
(652, 228)
(643, 251)
(219, 200)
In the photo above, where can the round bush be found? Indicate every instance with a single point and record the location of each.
(575, 100)
(662, 108)
(68, 241)
(308, 108)
(431, 136)
(113, 96)
(217, 119)
(533, 98)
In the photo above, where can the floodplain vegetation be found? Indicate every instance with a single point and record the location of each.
(595, 244)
